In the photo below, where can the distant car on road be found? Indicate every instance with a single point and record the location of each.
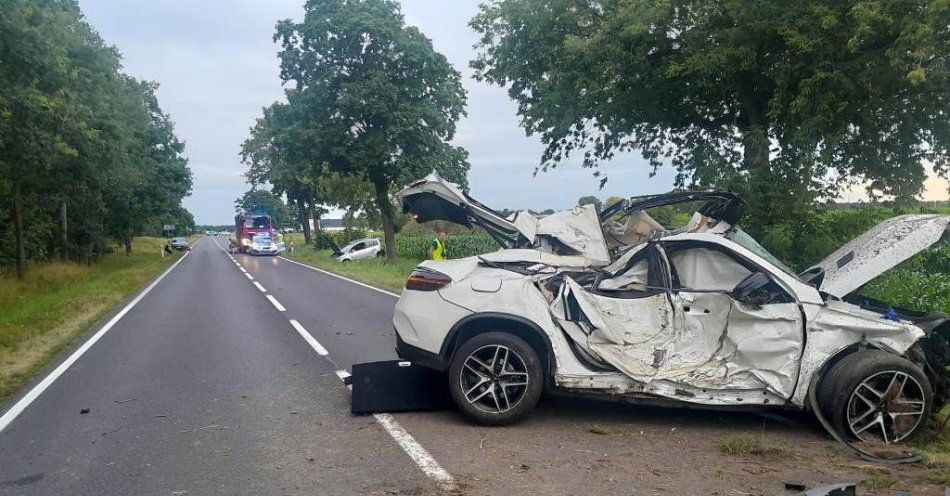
(179, 244)
(359, 249)
(263, 244)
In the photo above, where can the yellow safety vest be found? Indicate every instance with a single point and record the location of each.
(439, 252)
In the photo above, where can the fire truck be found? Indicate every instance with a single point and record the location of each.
(247, 225)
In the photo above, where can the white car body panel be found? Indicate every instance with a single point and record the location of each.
(878, 250)
(697, 346)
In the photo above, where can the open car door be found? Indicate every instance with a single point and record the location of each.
(434, 198)
(576, 231)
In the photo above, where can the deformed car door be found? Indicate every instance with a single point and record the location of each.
(721, 342)
(669, 314)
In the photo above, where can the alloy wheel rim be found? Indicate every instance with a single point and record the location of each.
(494, 379)
(886, 406)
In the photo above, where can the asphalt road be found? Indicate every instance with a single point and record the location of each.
(206, 386)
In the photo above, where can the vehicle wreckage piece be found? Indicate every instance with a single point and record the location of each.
(701, 314)
(396, 386)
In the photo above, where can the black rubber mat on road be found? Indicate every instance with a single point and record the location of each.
(397, 386)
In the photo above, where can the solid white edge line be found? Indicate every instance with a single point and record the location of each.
(419, 455)
(250, 277)
(37, 390)
(411, 447)
(258, 285)
(338, 276)
(277, 305)
(309, 338)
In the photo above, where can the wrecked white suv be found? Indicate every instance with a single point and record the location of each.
(615, 305)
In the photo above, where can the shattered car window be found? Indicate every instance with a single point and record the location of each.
(748, 242)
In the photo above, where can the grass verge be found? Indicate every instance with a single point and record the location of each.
(58, 301)
(746, 444)
(375, 272)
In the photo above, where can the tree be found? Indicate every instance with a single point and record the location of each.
(273, 205)
(786, 102)
(590, 200)
(376, 101)
(86, 155)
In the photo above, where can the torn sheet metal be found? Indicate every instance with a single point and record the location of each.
(837, 325)
(631, 230)
(578, 229)
(878, 250)
(535, 256)
(705, 340)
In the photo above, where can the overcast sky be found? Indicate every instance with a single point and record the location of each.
(217, 66)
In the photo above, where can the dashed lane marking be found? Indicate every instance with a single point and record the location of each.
(309, 339)
(258, 285)
(277, 305)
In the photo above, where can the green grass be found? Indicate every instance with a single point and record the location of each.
(57, 301)
(375, 272)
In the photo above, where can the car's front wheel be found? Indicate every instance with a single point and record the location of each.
(872, 395)
(496, 378)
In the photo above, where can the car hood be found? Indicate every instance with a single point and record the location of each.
(877, 251)
(576, 231)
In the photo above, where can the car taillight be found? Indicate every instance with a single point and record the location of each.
(423, 279)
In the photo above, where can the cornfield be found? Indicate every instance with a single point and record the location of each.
(416, 246)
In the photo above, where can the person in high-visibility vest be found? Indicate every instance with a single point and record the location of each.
(437, 248)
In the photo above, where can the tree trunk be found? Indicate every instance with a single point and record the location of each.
(304, 217)
(64, 249)
(20, 235)
(128, 244)
(386, 216)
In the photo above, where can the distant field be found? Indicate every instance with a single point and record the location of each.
(58, 301)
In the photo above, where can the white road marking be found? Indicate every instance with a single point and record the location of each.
(249, 276)
(37, 390)
(390, 293)
(309, 339)
(277, 305)
(260, 287)
(242, 268)
(416, 452)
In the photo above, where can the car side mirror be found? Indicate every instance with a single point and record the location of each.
(750, 285)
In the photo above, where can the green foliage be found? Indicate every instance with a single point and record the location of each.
(416, 247)
(77, 133)
(371, 98)
(784, 102)
(590, 200)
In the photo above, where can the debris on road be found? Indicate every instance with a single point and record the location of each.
(845, 489)
(397, 386)
(84, 411)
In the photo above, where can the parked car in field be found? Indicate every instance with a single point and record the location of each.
(613, 304)
(179, 244)
(359, 249)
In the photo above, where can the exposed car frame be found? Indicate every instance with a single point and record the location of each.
(565, 300)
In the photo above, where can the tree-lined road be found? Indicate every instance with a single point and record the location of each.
(205, 386)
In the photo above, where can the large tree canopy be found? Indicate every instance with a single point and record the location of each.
(371, 98)
(785, 101)
(86, 154)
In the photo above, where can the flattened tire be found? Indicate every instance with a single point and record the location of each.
(496, 378)
(875, 395)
